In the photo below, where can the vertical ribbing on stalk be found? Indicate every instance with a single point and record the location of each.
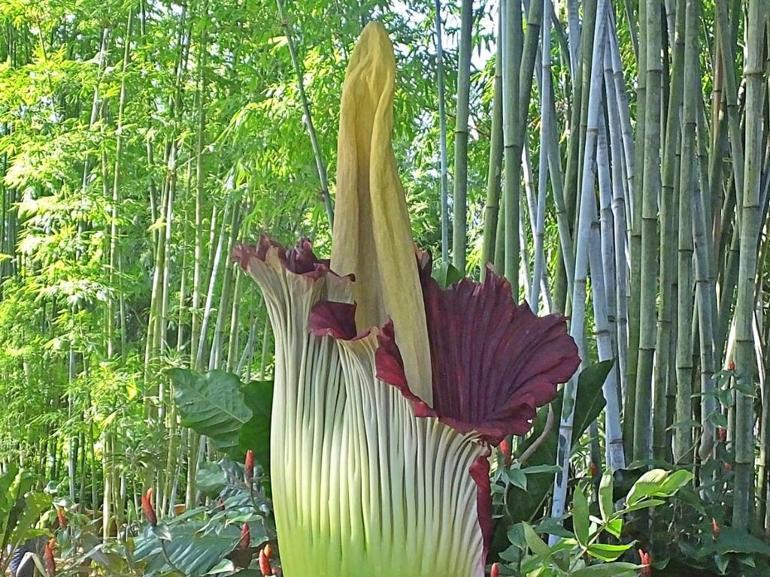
(444, 194)
(735, 138)
(459, 204)
(683, 440)
(649, 250)
(663, 373)
(525, 57)
(545, 130)
(747, 268)
(705, 292)
(577, 324)
(635, 200)
(511, 16)
(619, 212)
(601, 261)
(492, 205)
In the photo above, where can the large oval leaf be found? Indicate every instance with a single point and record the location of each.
(211, 404)
(188, 550)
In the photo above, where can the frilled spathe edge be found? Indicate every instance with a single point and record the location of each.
(494, 362)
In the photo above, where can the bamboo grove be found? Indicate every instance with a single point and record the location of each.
(610, 158)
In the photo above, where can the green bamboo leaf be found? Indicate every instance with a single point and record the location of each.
(211, 404)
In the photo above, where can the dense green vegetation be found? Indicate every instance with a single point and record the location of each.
(623, 181)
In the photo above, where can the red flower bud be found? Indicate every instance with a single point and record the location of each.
(264, 563)
(245, 543)
(715, 528)
(248, 466)
(48, 558)
(61, 518)
(505, 450)
(594, 469)
(646, 560)
(148, 509)
(722, 434)
(731, 365)
(495, 571)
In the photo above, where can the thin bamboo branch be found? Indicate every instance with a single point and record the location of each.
(317, 154)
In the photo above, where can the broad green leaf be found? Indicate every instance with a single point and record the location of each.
(606, 501)
(34, 506)
(517, 478)
(608, 570)
(615, 527)
(676, 481)
(580, 521)
(541, 469)
(525, 505)
(224, 566)
(657, 483)
(733, 540)
(643, 504)
(211, 404)
(446, 275)
(255, 434)
(535, 543)
(192, 553)
(551, 526)
(607, 552)
(211, 479)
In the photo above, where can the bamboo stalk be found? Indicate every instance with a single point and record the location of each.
(492, 205)
(545, 130)
(683, 433)
(747, 271)
(459, 205)
(444, 184)
(661, 373)
(649, 250)
(577, 324)
(636, 199)
(619, 218)
(601, 262)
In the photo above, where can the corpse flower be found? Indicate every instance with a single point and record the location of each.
(389, 390)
